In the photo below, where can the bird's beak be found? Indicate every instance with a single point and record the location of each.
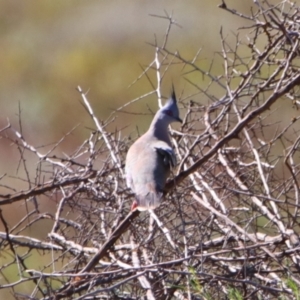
(179, 120)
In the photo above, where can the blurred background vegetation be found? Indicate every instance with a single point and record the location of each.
(48, 48)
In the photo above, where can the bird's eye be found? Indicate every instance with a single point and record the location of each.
(169, 113)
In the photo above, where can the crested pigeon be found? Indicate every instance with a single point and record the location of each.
(150, 158)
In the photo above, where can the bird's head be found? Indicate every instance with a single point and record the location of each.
(170, 112)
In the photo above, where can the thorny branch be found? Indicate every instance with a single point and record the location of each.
(230, 218)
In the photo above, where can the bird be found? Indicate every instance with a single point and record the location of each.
(151, 157)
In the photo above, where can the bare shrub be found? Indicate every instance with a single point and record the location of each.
(228, 227)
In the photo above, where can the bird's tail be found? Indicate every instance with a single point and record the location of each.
(146, 202)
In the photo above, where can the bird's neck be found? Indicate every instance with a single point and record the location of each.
(159, 128)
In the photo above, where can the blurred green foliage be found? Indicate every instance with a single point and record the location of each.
(48, 48)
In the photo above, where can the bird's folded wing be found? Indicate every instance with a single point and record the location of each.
(167, 153)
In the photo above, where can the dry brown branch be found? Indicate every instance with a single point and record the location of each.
(229, 225)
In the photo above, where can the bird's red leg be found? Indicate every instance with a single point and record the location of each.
(134, 205)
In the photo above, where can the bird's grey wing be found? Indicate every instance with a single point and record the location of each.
(167, 153)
